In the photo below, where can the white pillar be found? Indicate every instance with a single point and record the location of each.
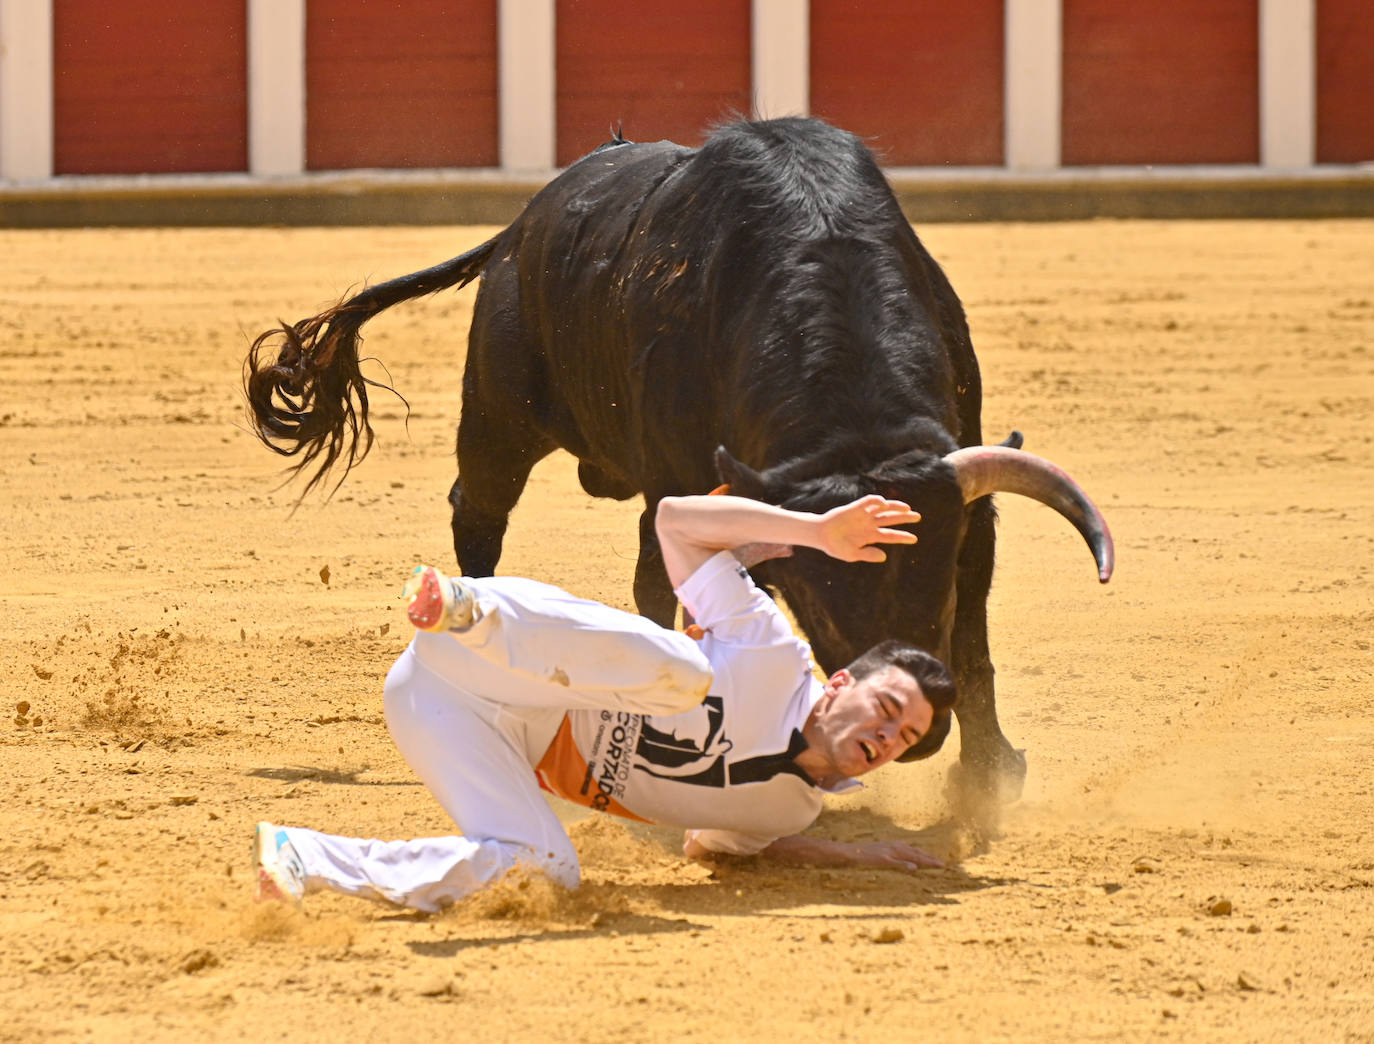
(526, 57)
(276, 86)
(1033, 70)
(26, 89)
(1288, 83)
(781, 57)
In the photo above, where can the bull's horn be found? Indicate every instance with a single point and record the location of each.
(992, 469)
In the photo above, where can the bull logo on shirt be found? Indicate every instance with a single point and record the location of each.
(693, 752)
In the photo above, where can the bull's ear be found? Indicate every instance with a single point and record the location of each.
(743, 480)
(876, 482)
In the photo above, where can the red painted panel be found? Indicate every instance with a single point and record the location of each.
(144, 86)
(923, 79)
(1170, 81)
(662, 69)
(1345, 81)
(400, 83)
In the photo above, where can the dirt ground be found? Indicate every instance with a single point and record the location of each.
(1194, 854)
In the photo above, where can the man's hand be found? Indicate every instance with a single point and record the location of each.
(849, 532)
(895, 854)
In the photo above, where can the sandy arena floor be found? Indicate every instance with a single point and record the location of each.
(1194, 856)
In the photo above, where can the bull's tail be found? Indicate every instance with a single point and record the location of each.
(311, 401)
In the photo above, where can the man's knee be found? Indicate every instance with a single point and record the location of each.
(683, 683)
(562, 868)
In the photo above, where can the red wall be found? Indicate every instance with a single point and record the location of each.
(1169, 81)
(664, 70)
(143, 86)
(922, 78)
(400, 83)
(1345, 81)
(148, 86)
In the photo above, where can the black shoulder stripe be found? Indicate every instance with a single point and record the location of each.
(766, 766)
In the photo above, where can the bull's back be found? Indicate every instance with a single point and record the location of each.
(548, 328)
(647, 304)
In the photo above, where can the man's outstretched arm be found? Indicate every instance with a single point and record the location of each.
(692, 529)
(799, 850)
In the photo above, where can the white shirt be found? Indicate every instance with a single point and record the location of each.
(726, 768)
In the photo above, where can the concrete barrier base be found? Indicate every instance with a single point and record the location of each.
(495, 197)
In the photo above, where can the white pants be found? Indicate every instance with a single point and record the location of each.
(474, 711)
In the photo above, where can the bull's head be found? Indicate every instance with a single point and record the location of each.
(846, 608)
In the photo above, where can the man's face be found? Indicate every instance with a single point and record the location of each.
(860, 725)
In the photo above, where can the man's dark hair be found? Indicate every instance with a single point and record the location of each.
(930, 674)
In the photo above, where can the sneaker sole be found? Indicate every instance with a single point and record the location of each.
(270, 891)
(428, 608)
(270, 887)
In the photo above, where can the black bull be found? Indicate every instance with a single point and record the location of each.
(762, 293)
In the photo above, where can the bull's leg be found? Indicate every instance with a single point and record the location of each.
(653, 593)
(494, 462)
(990, 771)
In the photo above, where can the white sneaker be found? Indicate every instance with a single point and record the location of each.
(436, 602)
(281, 875)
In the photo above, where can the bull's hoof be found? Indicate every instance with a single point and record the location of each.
(979, 788)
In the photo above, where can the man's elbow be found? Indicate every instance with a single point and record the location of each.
(694, 849)
(666, 517)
